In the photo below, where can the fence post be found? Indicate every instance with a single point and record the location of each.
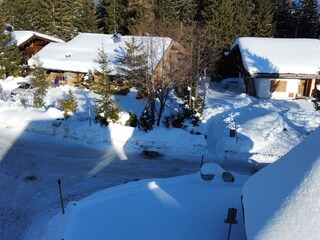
(60, 192)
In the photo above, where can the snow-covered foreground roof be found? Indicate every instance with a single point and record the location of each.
(185, 207)
(279, 55)
(282, 200)
(80, 53)
(23, 36)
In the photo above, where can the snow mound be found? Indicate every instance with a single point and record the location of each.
(176, 208)
(282, 200)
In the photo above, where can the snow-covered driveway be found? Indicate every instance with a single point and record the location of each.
(31, 164)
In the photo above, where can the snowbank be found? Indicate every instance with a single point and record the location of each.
(282, 200)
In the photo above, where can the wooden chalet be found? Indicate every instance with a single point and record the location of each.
(72, 61)
(32, 42)
(276, 68)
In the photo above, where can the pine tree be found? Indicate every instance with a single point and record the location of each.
(85, 19)
(101, 16)
(63, 19)
(11, 57)
(285, 23)
(147, 119)
(264, 25)
(220, 20)
(140, 17)
(176, 11)
(110, 16)
(308, 19)
(40, 83)
(20, 14)
(135, 62)
(243, 18)
(42, 17)
(69, 104)
(107, 108)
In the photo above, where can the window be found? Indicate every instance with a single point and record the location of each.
(278, 86)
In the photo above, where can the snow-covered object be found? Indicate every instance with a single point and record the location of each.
(176, 208)
(282, 200)
(210, 170)
(23, 36)
(80, 53)
(276, 55)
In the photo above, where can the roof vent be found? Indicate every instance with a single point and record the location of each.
(116, 38)
(9, 28)
(67, 54)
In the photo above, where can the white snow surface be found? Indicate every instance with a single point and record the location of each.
(23, 36)
(279, 55)
(89, 158)
(81, 52)
(282, 200)
(156, 209)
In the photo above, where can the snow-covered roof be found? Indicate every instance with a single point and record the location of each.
(23, 36)
(279, 55)
(80, 53)
(282, 200)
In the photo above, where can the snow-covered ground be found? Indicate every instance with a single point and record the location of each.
(265, 129)
(37, 148)
(282, 200)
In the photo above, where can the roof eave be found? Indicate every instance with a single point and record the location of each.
(285, 75)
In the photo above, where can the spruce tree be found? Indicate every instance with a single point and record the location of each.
(243, 18)
(63, 19)
(20, 14)
(147, 119)
(42, 17)
(135, 62)
(85, 19)
(107, 108)
(264, 25)
(114, 20)
(220, 20)
(177, 11)
(285, 21)
(11, 57)
(69, 104)
(308, 19)
(40, 83)
(140, 17)
(101, 16)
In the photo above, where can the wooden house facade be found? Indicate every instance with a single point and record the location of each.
(31, 42)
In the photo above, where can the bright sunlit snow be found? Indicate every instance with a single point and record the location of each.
(38, 147)
(271, 55)
(282, 200)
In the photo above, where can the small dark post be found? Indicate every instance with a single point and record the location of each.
(232, 133)
(61, 200)
(231, 219)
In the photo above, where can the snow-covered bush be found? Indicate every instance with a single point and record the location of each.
(5, 95)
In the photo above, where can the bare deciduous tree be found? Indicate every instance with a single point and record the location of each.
(201, 56)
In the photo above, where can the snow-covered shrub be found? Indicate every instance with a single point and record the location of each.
(5, 96)
(146, 119)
